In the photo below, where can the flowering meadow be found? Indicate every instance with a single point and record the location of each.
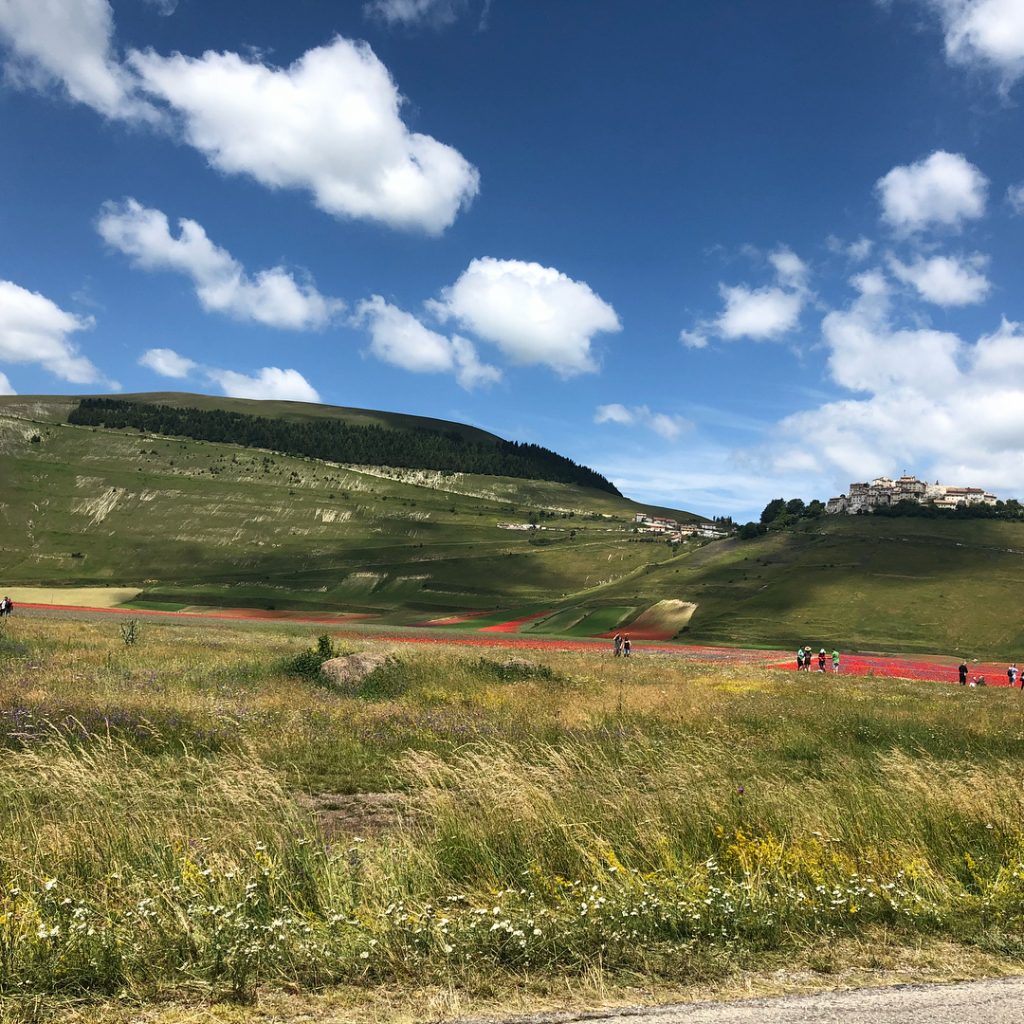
(184, 815)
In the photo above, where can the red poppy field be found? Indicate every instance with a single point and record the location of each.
(514, 625)
(934, 669)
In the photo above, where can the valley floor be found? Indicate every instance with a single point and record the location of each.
(935, 668)
(197, 826)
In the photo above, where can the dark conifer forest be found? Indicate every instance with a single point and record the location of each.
(338, 441)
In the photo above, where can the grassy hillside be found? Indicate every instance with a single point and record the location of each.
(196, 522)
(191, 522)
(857, 581)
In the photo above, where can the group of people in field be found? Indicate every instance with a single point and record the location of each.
(621, 645)
(805, 659)
(6, 606)
(1014, 676)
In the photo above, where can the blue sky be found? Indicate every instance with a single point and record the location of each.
(720, 250)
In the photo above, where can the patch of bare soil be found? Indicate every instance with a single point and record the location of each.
(361, 814)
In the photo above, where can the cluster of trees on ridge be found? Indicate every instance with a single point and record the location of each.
(338, 441)
(1009, 509)
(780, 513)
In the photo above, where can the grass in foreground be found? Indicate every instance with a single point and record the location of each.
(184, 817)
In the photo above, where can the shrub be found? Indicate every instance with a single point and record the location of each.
(513, 670)
(307, 664)
(130, 632)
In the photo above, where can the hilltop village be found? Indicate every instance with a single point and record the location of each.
(883, 492)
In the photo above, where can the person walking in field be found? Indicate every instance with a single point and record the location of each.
(963, 673)
(617, 644)
(1011, 673)
(835, 661)
(821, 660)
(6, 606)
(799, 659)
(626, 646)
(807, 658)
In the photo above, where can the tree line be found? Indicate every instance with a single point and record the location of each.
(780, 513)
(338, 441)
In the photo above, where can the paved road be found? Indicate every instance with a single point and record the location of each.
(976, 1002)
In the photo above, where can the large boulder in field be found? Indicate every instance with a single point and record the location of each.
(519, 666)
(348, 672)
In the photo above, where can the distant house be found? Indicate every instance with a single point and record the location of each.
(655, 524)
(675, 531)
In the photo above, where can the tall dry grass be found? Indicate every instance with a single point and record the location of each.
(155, 823)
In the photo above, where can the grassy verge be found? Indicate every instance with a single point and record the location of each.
(183, 817)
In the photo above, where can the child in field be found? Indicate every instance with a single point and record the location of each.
(821, 660)
(835, 661)
(799, 659)
(1011, 673)
(626, 646)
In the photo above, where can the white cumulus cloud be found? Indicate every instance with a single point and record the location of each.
(1015, 197)
(535, 315)
(758, 313)
(693, 339)
(761, 314)
(946, 280)
(942, 189)
(790, 270)
(270, 382)
(167, 363)
(401, 339)
(330, 124)
(667, 425)
(5, 386)
(985, 33)
(33, 329)
(71, 42)
(272, 297)
(615, 413)
(931, 400)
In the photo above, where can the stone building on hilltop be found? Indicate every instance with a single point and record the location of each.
(883, 491)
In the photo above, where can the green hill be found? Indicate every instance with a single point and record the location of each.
(193, 521)
(862, 582)
(335, 439)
